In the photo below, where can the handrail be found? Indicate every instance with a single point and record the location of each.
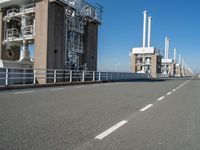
(12, 76)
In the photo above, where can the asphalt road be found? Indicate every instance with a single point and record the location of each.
(159, 115)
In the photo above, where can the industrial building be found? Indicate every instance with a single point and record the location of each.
(64, 34)
(168, 64)
(146, 59)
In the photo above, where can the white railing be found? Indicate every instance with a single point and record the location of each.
(13, 76)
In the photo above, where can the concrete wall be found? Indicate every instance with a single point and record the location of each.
(90, 46)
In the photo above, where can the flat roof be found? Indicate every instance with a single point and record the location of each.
(7, 3)
(144, 50)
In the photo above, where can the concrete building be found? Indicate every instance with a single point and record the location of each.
(64, 34)
(146, 59)
(168, 64)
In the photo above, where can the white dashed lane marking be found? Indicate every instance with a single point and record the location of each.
(161, 98)
(146, 107)
(169, 93)
(110, 130)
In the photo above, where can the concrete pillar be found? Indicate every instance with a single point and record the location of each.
(133, 63)
(90, 46)
(1, 33)
(154, 66)
(25, 53)
(41, 37)
(49, 36)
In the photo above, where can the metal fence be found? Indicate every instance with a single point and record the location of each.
(13, 76)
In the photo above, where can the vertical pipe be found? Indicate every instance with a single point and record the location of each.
(174, 54)
(144, 28)
(149, 31)
(167, 45)
(165, 48)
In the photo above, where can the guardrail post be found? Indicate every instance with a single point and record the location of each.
(83, 76)
(93, 76)
(70, 76)
(34, 76)
(99, 76)
(107, 76)
(55, 76)
(6, 81)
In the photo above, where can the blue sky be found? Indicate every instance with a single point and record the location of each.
(123, 26)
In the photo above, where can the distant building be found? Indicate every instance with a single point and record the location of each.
(146, 59)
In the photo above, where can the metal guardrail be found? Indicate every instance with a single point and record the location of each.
(13, 76)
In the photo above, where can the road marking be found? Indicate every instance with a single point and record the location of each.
(95, 85)
(24, 92)
(110, 130)
(78, 87)
(57, 89)
(169, 93)
(146, 107)
(183, 84)
(161, 98)
(173, 90)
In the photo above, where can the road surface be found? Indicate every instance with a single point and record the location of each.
(159, 115)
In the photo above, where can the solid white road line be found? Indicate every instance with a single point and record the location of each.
(169, 93)
(146, 107)
(24, 92)
(161, 98)
(78, 87)
(110, 130)
(57, 89)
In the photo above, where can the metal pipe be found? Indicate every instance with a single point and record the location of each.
(145, 28)
(167, 44)
(174, 54)
(149, 31)
(165, 48)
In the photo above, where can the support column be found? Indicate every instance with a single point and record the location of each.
(25, 53)
(1, 33)
(49, 38)
(90, 46)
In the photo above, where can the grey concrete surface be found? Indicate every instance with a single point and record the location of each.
(69, 118)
